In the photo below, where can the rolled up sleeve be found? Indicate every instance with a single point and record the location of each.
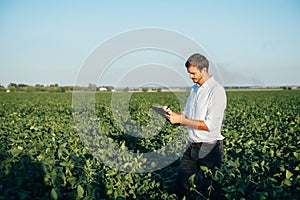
(215, 110)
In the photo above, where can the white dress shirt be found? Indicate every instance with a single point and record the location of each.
(206, 102)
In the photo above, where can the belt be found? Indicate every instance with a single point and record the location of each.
(197, 144)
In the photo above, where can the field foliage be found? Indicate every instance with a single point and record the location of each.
(42, 155)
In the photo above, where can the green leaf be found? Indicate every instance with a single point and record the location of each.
(108, 192)
(296, 155)
(72, 180)
(80, 191)
(204, 168)
(288, 174)
(123, 146)
(53, 194)
(59, 152)
(229, 189)
(192, 181)
(286, 182)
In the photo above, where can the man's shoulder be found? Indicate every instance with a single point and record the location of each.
(215, 85)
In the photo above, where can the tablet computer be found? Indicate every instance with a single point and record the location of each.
(159, 110)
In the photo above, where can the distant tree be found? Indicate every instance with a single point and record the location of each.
(56, 89)
(62, 89)
(21, 85)
(109, 88)
(69, 88)
(54, 85)
(145, 89)
(2, 88)
(126, 89)
(40, 88)
(29, 89)
(159, 89)
(12, 85)
(92, 86)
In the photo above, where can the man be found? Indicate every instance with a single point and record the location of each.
(203, 115)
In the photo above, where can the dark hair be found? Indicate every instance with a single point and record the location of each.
(197, 60)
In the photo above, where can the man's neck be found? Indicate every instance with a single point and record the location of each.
(204, 79)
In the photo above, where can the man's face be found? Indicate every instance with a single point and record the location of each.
(195, 74)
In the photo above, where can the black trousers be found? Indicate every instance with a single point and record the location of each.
(210, 155)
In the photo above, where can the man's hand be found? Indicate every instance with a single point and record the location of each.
(179, 118)
(173, 117)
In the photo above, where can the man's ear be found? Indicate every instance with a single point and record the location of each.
(204, 70)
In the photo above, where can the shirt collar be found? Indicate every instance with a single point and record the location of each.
(206, 83)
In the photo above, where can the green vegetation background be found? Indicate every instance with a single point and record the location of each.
(42, 156)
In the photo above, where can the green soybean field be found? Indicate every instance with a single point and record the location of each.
(42, 155)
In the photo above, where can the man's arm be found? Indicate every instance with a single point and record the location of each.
(195, 124)
(179, 118)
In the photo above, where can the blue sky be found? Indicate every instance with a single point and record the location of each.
(251, 42)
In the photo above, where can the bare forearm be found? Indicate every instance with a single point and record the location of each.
(195, 124)
(179, 118)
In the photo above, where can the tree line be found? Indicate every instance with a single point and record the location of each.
(13, 87)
